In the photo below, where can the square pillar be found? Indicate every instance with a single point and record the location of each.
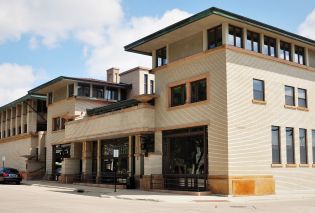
(262, 42)
(225, 33)
(292, 52)
(278, 47)
(244, 37)
(306, 57)
(99, 161)
(205, 39)
(86, 159)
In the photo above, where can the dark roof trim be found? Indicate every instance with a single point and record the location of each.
(220, 12)
(60, 78)
(112, 107)
(24, 98)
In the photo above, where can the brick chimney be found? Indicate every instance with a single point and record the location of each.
(113, 75)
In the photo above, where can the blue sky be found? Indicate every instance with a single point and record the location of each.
(87, 37)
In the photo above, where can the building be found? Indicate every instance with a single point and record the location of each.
(237, 95)
(227, 107)
(68, 100)
(23, 127)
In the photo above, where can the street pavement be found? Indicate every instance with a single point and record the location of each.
(47, 197)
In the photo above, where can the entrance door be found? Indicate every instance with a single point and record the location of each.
(185, 159)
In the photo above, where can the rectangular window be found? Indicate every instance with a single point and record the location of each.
(235, 36)
(161, 57)
(151, 86)
(313, 145)
(50, 98)
(146, 83)
(253, 41)
(56, 124)
(276, 147)
(178, 95)
(215, 37)
(198, 90)
(303, 146)
(111, 93)
(259, 90)
(70, 90)
(299, 55)
(289, 96)
(84, 90)
(302, 98)
(290, 145)
(97, 91)
(270, 46)
(285, 51)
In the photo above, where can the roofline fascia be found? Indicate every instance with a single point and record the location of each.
(223, 13)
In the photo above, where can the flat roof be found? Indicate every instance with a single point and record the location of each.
(135, 69)
(24, 98)
(208, 12)
(87, 80)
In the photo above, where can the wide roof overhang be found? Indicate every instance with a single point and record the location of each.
(197, 23)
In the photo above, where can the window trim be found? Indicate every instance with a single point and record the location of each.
(306, 147)
(279, 144)
(157, 58)
(294, 101)
(264, 91)
(215, 36)
(283, 51)
(234, 35)
(299, 53)
(306, 99)
(293, 145)
(251, 48)
(268, 45)
(188, 91)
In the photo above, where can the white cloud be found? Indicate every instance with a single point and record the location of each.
(15, 81)
(307, 28)
(111, 52)
(55, 20)
(99, 25)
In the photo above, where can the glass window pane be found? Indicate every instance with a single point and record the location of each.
(276, 145)
(303, 146)
(258, 90)
(290, 145)
(313, 145)
(198, 90)
(289, 96)
(178, 95)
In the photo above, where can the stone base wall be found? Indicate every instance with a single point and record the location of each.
(242, 185)
(149, 182)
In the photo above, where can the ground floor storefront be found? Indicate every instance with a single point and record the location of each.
(178, 159)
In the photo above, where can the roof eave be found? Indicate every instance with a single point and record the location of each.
(226, 14)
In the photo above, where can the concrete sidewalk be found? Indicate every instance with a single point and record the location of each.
(140, 195)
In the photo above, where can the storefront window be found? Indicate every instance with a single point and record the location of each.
(185, 151)
(108, 147)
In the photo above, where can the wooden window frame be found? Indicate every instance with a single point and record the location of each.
(306, 101)
(299, 52)
(264, 88)
(187, 82)
(283, 49)
(234, 36)
(279, 144)
(216, 40)
(294, 102)
(251, 48)
(267, 42)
